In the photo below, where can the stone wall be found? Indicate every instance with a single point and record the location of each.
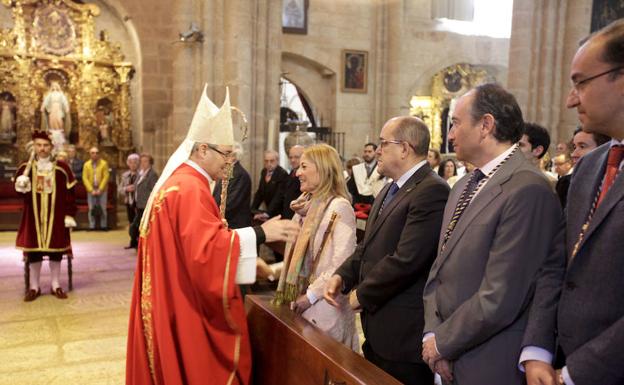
(544, 38)
(405, 51)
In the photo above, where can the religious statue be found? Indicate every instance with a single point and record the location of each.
(104, 121)
(7, 120)
(55, 115)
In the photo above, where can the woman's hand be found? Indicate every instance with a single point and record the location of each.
(301, 304)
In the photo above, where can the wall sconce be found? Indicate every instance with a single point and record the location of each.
(193, 35)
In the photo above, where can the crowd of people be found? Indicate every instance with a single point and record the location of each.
(469, 267)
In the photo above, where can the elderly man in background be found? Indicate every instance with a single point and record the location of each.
(292, 188)
(127, 185)
(74, 162)
(268, 199)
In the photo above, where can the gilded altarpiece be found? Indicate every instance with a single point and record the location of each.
(54, 41)
(447, 85)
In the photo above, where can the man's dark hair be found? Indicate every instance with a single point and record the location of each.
(371, 144)
(148, 156)
(600, 139)
(493, 99)
(538, 136)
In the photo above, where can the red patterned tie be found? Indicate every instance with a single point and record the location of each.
(616, 153)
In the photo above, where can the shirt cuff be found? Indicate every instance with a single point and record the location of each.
(566, 376)
(534, 353)
(311, 297)
(246, 269)
(428, 336)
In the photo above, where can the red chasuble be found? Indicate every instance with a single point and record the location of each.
(187, 321)
(51, 198)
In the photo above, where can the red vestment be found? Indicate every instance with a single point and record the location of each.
(187, 320)
(50, 199)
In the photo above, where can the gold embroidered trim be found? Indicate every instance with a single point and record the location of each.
(28, 249)
(146, 286)
(61, 169)
(226, 311)
(50, 223)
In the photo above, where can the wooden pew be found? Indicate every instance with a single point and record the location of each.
(289, 350)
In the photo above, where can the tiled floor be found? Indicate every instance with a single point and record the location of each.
(81, 340)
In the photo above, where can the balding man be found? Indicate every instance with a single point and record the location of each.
(268, 199)
(388, 269)
(587, 324)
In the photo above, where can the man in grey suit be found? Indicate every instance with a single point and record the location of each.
(499, 223)
(590, 314)
(390, 266)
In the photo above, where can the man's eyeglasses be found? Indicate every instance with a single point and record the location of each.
(384, 142)
(577, 84)
(225, 155)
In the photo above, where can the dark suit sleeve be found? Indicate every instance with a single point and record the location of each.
(239, 191)
(277, 200)
(415, 251)
(257, 200)
(599, 360)
(529, 221)
(542, 322)
(349, 271)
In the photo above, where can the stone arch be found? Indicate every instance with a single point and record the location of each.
(316, 81)
(423, 82)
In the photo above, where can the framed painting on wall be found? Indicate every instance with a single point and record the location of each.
(354, 71)
(295, 16)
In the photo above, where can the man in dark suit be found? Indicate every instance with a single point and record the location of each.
(269, 194)
(292, 189)
(499, 224)
(389, 267)
(144, 186)
(237, 211)
(590, 312)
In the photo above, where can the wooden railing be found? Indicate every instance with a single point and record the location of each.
(289, 350)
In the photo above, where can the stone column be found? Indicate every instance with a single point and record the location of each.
(543, 41)
(186, 56)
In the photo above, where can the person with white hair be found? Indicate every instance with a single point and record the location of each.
(127, 185)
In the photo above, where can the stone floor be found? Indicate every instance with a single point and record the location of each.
(81, 340)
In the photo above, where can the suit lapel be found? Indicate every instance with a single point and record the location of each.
(379, 219)
(613, 197)
(491, 190)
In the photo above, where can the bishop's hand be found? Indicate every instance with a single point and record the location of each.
(277, 229)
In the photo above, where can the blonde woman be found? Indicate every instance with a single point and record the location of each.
(326, 239)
